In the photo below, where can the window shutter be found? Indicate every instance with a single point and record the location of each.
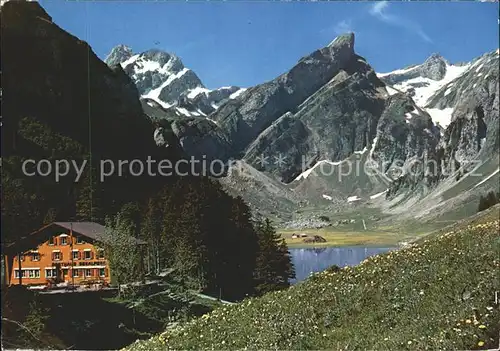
(91, 255)
(106, 272)
(60, 255)
(53, 256)
(79, 255)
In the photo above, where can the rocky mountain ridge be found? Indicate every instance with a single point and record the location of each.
(163, 78)
(328, 108)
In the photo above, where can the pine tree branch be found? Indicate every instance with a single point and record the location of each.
(24, 328)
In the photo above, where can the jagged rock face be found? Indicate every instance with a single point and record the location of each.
(433, 68)
(162, 77)
(155, 72)
(205, 101)
(186, 81)
(473, 131)
(330, 105)
(471, 100)
(152, 69)
(247, 116)
(404, 133)
(201, 138)
(423, 81)
(119, 54)
(327, 107)
(337, 120)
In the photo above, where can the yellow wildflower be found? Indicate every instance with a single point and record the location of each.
(481, 343)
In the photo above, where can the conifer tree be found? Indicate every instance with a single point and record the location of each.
(491, 199)
(190, 249)
(89, 197)
(121, 249)
(151, 233)
(273, 268)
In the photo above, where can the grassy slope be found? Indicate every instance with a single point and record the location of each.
(436, 294)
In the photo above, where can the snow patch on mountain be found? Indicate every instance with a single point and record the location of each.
(443, 117)
(422, 87)
(398, 71)
(353, 198)
(487, 178)
(237, 93)
(425, 88)
(391, 91)
(378, 195)
(307, 172)
(196, 91)
(162, 78)
(154, 94)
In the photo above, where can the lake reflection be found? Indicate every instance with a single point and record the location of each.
(318, 259)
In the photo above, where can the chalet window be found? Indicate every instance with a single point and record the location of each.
(88, 272)
(65, 272)
(16, 273)
(51, 273)
(35, 256)
(75, 272)
(64, 240)
(102, 272)
(79, 240)
(76, 255)
(56, 256)
(52, 241)
(34, 273)
(88, 255)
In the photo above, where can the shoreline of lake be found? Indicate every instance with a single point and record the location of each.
(312, 260)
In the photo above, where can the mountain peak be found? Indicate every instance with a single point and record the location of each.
(434, 67)
(160, 56)
(434, 57)
(343, 40)
(119, 54)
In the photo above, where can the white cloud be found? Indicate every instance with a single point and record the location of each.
(339, 28)
(343, 26)
(379, 10)
(378, 7)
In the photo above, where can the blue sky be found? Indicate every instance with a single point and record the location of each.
(246, 43)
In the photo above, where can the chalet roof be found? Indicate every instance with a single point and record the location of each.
(90, 230)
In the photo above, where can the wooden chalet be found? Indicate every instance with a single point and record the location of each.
(60, 252)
